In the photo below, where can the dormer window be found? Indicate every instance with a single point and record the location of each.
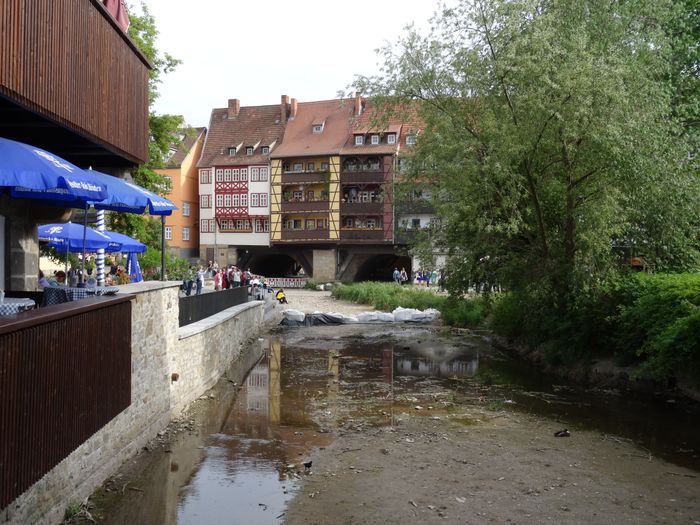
(249, 150)
(374, 139)
(232, 151)
(359, 140)
(265, 150)
(411, 139)
(391, 138)
(317, 128)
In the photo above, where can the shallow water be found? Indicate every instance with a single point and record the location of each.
(242, 460)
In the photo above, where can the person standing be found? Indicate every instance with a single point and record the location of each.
(200, 280)
(403, 275)
(218, 280)
(236, 277)
(396, 276)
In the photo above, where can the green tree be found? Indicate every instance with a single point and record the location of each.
(550, 135)
(163, 130)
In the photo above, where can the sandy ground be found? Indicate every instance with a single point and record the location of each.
(309, 301)
(504, 468)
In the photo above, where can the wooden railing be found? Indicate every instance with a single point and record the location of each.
(65, 371)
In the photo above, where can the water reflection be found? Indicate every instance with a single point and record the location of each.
(232, 466)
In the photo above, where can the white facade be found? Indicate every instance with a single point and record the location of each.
(241, 195)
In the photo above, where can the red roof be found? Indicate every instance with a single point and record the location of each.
(252, 125)
(299, 138)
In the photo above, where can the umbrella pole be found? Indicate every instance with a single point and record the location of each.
(82, 262)
(162, 247)
(100, 266)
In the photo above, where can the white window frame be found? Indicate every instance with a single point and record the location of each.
(410, 139)
(227, 200)
(249, 151)
(265, 150)
(391, 138)
(235, 175)
(359, 140)
(244, 199)
(168, 233)
(254, 174)
(263, 200)
(244, 174)
(185, 233)
(234, 199)
(219, 200)
(204, 226)
(374, 140)
(231, 152)
(185, 209)
(205, 200)
(205, 176)
(263, 174)
(219, 175)
(254, 199)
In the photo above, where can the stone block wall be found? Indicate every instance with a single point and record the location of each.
(157, 347)
(207, 348)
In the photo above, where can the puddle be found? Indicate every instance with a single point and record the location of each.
(241, 458)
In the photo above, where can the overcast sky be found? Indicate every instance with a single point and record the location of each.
(257, 51)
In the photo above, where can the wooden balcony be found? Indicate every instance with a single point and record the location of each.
(65, 373)
(305, 177)
(72, 82)
(305, 206)
(353, 234)
(362, 177)
(361, 208)
(305, 235)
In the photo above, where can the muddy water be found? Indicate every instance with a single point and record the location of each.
(241, 457)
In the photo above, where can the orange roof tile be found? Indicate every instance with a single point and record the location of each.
(299, 139)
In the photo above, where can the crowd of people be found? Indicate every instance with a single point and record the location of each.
(426, 278)
(224, 278)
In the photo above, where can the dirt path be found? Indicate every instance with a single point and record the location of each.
(309, 301)
(505, 468)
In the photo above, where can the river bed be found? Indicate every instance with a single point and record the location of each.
(239, 456)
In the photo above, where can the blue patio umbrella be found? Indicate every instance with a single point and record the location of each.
(123, 243)
(133, 269)
(72, 237)
(34, 173)
(128, 197)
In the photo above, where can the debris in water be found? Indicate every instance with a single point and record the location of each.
(413, 503)
(307, 464)
(562, 433)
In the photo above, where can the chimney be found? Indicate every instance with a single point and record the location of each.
(358, 105)
(293, 110)
(284, 105)
(234, 106)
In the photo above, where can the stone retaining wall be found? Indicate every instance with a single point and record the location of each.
(200, 354)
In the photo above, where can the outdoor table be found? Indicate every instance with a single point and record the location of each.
(61, 294)
(75, 294)
(14, 305)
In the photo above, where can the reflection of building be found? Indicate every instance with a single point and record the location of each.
(420, 366)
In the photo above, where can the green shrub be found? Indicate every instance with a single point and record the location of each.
(658, 321)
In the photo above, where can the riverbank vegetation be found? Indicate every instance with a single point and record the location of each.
(651, 322)
(559, 142)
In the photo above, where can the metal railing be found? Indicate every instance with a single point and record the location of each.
(194, 308)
